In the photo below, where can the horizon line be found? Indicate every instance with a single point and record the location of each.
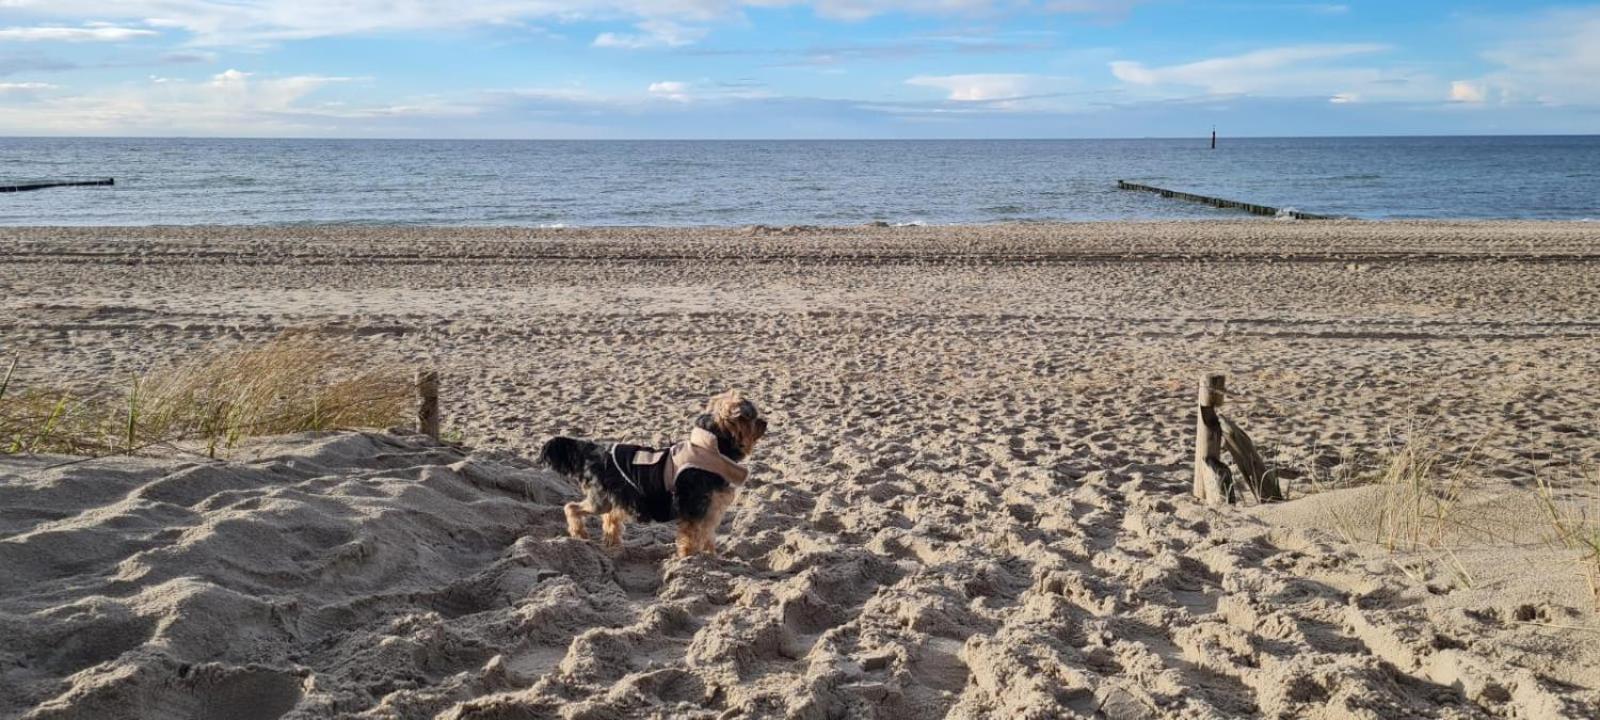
(1202, 137)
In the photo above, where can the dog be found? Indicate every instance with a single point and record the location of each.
(692, 482)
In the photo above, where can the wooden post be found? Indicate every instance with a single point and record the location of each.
(1260, 480)
(428, 403)
(1213, 482)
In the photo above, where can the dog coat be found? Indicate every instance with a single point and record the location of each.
(654, 472)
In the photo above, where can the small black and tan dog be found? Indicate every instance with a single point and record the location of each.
(692, 482)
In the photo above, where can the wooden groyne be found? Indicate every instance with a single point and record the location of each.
(42, 184)
(1223, 203)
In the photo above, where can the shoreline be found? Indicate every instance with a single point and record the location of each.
(1171, 242)
(1225, 218)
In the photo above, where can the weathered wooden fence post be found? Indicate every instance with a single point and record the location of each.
(1213, 482)
(1260, 480)
(428, 403)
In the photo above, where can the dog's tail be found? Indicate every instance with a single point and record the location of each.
(566, 455)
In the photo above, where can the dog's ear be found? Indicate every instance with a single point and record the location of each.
(730, 406)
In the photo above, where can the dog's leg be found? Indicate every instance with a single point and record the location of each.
(688, 537)
(704, 536)
(708, 527)
(576, 512)
(612, 523)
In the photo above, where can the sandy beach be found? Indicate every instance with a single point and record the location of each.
(974, 500)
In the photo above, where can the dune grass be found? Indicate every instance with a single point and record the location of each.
(1422, 489)
(1420, 515)
(210, 400)
(1577, 527)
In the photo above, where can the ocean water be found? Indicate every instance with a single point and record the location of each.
(572, 183)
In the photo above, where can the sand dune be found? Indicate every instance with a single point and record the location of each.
(973, 502)
(380, 575)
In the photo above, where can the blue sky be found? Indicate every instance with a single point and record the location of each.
(795, 69)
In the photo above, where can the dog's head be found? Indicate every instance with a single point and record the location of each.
(733, 416)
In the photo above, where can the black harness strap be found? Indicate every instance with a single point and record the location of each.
(645, 469)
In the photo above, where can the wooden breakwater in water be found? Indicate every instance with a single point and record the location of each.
(42, 184)
(1223, 203)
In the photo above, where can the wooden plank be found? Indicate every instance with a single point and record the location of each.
(1261, 481)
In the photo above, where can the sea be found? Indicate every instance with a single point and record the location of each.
(846, 182)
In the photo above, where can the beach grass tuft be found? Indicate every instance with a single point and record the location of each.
(210, 400)
(1421, 490)
(1576, 527)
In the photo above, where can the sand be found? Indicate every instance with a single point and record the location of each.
(973, 502)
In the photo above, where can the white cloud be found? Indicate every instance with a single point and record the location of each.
(1237, 73)
(229, 77)
(1108, 7)
(979, 87)
(670, 90)
(1329, 71)
(232, 102)
(1552, 59)
(699, 91)
(92, 33)
(863, 9)
(241, 91)
(652, 34)
(24, 88)
(215, 22)
(1466, 91)
(990, 92)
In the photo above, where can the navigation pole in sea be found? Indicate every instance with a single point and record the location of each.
(1213, 137)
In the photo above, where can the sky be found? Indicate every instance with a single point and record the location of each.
(583, 69)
